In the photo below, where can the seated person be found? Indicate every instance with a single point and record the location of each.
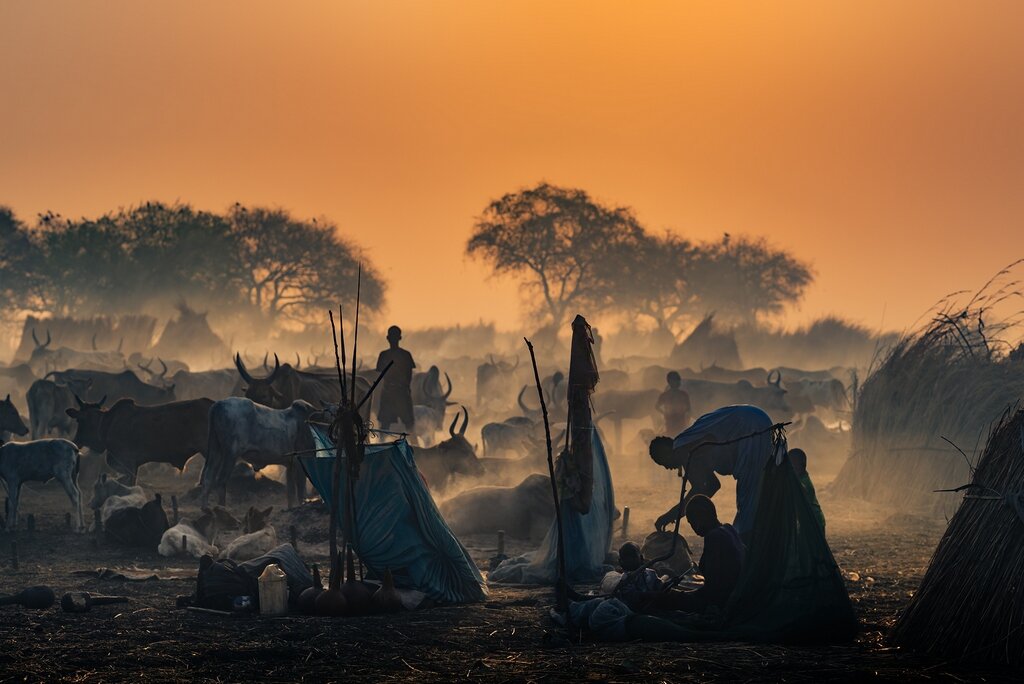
(720, 563)
(798, 459)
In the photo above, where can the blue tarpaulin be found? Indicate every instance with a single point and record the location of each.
(397, 525)
(587, 537)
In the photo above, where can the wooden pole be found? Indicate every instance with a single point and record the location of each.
(560, 594)
(625, 522)
(174, 508)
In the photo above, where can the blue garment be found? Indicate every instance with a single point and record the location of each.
(587, 538)
(397, 525)
(745, 459)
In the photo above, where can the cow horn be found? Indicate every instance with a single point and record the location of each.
(449, 392)
(120, 344)
(34, 338)
(465, 421)
(519, 400)
(451, 428)
(778, 377)
(48, 340)
(102, 401)
(241, 369)
(266, 355)
(81, 404)
(298, 360)
(277, 367)
(163, 373)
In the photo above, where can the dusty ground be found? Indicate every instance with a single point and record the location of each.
(508, 638)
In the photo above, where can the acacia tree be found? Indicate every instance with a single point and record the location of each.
(743, 278)
(653, 280)
(569, 248)
(294, 269)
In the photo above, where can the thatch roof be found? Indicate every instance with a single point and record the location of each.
(707, 344)
(128, 333)
(971, 604)
(189, 336)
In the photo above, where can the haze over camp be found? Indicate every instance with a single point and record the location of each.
(541, 341)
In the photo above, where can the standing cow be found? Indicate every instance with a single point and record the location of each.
(40, 461)
(132, 435)
(261, 436)
(47, 403)
(286, 385)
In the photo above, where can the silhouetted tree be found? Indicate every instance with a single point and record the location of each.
(568, 248)
(652, 281)
(741, 278)
(295, 269)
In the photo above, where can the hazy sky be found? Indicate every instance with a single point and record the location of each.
(882, 141)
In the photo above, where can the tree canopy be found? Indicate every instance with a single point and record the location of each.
(128, 260)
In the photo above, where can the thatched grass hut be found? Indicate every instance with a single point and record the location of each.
(971, 601)
(708, 344)
(935, 393)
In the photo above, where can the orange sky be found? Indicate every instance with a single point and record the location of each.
(879, 140)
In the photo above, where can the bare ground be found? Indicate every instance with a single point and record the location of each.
(507, 638)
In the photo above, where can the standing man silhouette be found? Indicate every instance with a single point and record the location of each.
(396, 387)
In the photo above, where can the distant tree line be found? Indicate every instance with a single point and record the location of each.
(572, 252)
(124, 261)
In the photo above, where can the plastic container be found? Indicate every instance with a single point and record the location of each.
(273, 591)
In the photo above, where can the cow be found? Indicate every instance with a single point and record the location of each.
(628, 405)
(259, 435)
(517, 434)
(715, 373)
(211, 384)
(493, 380)
(45, 359)
(524, 511)
(140, 525)
(426, 390)
(109, 495)
(258, 536)
(706, 396)
(123, 385)
(788, 375)
(47, 403)
(826, 394)
(453, 457)
(429, 421)
(197, 537)
(40, 461)
(10, 420)
(285, 385)
(132, 435)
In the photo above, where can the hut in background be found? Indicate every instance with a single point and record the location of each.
(707, 344)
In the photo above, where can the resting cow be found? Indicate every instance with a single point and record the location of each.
(261, 436)
(40, 461)
(133, 435)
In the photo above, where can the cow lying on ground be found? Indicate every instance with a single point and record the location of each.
(40, 461)
(109, 495)
(197, 537)
(261, 436)
(524, 511)
(141, 526)
(258, 537)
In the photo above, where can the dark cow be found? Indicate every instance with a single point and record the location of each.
(132, 435)
(211, 384)
(517, 434)
(40, 461)
(453, 457)
(241, 429)
(494, 380)
(826, 394)
(706, 396)
(426, 390)
(10, 420)
(47, 403)
(524, 511)
(715, 373)
(285, 385)
(620, 405)
(45, 359)
(124, 385)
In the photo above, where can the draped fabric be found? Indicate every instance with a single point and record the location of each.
(397, 525)
(587, 536)
(574, 472)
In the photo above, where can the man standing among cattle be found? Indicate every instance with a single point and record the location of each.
(396, 387)
(734, 440)
(674, 405)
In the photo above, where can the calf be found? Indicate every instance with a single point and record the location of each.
(197, 537)
(257, 539)
(524, 511)
(40, 461)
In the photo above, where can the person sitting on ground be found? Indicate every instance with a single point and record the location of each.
(674, 405)
(798, 459)
(720, 564)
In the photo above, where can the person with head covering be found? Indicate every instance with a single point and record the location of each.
(396, 387)
(733, 440)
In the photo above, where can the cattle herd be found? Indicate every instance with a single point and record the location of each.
(94, 417)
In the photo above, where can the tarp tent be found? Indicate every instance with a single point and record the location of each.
(397, 526)
(586, 537)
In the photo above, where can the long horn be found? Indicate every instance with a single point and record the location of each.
(164, 371)
(146, 369)
(266, 356)
(277, 367)
(34, 338)
(490, 357)
(81, 404)
(241, 369)
(465, 421)
(48, 340)
(451, 428)
(298, 360)
(778, 377)
(519, 400)
(449, 392)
